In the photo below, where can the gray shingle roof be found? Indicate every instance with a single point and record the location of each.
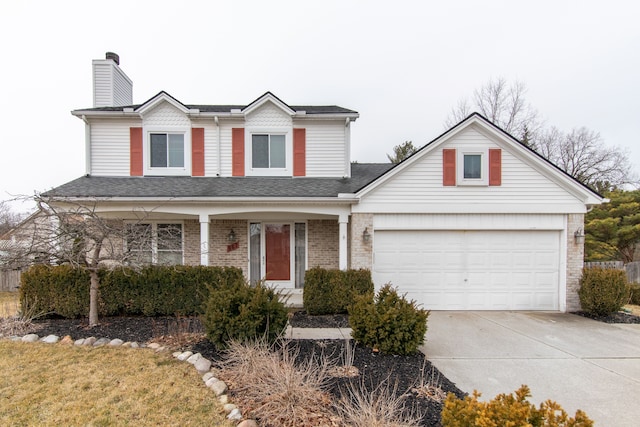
(196, 187)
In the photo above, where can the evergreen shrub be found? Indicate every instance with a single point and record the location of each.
(333, 291)
(508, 410)
(388, 322)
(150, 291)
(635, 294)
(242, 313)
(603, 290)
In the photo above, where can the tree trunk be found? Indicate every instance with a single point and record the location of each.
(93, 297)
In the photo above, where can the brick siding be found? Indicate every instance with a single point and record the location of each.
(361, 251)
(323, 242)
(575, 260)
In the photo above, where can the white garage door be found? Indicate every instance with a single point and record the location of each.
(471, 270)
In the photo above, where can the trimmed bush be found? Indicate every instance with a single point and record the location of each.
(635, 294)
(333, 291)
(151, 291)
(508, 410)
(388, 322)
(603, 291)
(242, 313)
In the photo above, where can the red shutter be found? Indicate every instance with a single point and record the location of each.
(449, 167)
(135, 152)
(237, 151)
(299, 152)
(197, 152)
(495, 166)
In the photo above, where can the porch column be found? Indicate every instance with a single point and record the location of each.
(343, 221)
(204, 239)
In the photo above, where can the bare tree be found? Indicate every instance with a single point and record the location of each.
(583, 155)
(62, 232)
(8, 217)
(504, 105)
(401, 152)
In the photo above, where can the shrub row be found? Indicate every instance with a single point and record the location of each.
(333, 291)
(152, 291)
(603, 290)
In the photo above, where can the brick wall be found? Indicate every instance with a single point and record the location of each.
(219, 243)
(575, 260)
(361, 251)
(323, 243)
(191, 242)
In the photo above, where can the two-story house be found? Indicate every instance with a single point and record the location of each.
(473, 220)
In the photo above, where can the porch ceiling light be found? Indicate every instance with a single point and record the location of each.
(579, 236)
(232, 236)
(366, 236)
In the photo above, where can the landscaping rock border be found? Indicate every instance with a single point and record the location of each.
(200, 363)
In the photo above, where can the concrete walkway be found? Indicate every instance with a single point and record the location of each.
(579, 363)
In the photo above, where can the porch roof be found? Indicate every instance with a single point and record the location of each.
(168, 186)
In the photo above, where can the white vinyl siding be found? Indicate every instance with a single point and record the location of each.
(326, 148)
(419, 188)
(225, 141)
(110, 146)
(111, 87)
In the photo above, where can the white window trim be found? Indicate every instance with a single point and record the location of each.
(154, 237)
(484, 168)
(248, 149)
(180, 171)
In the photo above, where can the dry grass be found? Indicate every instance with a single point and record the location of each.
(268, 385)
(52, 385)
(382, 407)
(9, 304)
(633, 309)
(428, 386)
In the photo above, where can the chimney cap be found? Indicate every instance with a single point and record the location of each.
(113, 56)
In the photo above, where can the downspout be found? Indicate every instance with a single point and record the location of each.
(347, 140)
(87, 145)
(215, 118)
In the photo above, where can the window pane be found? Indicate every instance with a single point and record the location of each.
(301, 255)
(169, 258)
(472, 166)
(176, 150)
(255, 271)
(260, 151)
(139, 243)
(170, 237)
(277, 151)
(158, 150)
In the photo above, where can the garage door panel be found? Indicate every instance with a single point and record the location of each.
(476, 270)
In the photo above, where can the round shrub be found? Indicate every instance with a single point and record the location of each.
(603, 291)
(242, 312)
(388, 322)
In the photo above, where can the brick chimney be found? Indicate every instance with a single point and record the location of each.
(111, 86)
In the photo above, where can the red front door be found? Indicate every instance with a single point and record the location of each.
(278, 251)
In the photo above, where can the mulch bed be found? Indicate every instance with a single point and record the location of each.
(402, 373)
(618, 317)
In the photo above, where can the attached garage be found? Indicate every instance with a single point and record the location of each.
(471, 269)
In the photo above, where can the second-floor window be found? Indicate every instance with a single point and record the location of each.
(268, 151)
(166, 150)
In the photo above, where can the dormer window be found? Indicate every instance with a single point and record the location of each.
(167, 150)
(268, 151)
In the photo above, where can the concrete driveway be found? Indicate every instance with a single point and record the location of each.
(579, 363)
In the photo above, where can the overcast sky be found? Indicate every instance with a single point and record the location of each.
(402, 65)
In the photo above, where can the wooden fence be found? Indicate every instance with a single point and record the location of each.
(632, 268)
(9, 280)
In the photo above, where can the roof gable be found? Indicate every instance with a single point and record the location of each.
(160, 98)
(268, 97)
(501, 139)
